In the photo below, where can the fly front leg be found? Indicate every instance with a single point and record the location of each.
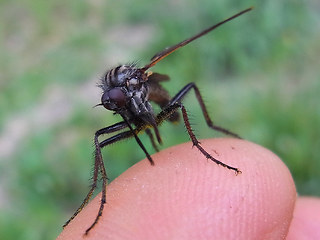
(98, 165)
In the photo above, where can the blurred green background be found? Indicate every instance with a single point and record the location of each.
(259, 75)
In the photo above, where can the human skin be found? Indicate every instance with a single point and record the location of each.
(305, 224)
(186, 196)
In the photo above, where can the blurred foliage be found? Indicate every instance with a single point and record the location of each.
(259, 75)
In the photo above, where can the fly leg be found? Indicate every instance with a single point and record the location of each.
(150, 135)
(98, 165)
(176, 104)
(196, 143)
(182, 93)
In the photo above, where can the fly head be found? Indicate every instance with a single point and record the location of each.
(125, 92)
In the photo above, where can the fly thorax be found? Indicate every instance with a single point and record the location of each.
(139, 103)
(124, 87)
(121, 76)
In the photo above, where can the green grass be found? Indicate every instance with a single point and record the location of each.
(259, 75)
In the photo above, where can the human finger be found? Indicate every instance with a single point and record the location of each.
(186, 196)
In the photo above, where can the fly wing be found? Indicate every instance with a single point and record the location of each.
(158, 94)
(157, 77)
(167, 51)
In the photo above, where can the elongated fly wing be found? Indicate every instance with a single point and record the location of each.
(167, 51)
(159, 94)
(158, 77)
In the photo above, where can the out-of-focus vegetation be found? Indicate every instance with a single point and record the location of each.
(259, 75)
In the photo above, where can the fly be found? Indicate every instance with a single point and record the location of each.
(127, 91)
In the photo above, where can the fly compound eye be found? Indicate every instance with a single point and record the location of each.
(117, 96)
(113, 99)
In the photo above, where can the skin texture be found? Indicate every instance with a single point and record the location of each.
(186, 196)
(306, 221)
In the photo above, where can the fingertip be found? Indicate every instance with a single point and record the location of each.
(187, 196)
(306, 219)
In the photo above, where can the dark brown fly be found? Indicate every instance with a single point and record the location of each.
(127, 91)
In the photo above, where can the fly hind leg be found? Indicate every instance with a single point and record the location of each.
(196, 143)
(183, 92)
